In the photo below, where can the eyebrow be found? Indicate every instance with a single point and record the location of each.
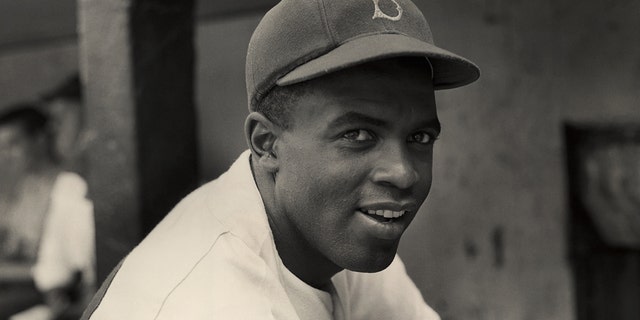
(352, 116)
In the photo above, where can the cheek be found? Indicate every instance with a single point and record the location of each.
(319, 183)
(425, 173)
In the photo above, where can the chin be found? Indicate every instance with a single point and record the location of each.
(372, 262)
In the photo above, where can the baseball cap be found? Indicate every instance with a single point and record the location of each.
(298, 40)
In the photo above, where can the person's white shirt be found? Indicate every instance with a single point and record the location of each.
(213, 257)
(67, 245)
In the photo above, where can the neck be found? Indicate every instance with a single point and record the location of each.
(306, 263)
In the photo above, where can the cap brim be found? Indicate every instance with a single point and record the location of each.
(449, 69)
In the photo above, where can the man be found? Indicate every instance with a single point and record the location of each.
(64, 105)
(46, 223)
(24, 173)
(306, 224)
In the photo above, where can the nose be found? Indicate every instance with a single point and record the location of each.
(394, 167)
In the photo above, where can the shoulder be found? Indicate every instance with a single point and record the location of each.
(210, 253)
(69, 184)
(69, 207)
(227, 278)
(69, 197)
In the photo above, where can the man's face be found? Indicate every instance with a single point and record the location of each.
(356, 164)
(15, 148)
(66, 124)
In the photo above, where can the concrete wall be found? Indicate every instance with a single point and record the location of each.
(221, 96)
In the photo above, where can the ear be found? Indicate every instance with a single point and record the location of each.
(262, 134)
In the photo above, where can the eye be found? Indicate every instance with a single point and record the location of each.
(421, 137)
(358, 135)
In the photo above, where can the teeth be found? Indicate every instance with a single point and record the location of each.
(386, 213)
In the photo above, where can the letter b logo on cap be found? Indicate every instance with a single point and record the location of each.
(379, 14)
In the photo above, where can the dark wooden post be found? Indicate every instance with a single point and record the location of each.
(137, 62)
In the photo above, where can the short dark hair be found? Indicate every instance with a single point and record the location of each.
(28, 116)
(278, 103)
(69, 89)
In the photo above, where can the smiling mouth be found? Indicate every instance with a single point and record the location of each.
(384, 215)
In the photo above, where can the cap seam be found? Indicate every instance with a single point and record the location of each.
(323, 9)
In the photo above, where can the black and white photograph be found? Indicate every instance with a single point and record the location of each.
(320, 159)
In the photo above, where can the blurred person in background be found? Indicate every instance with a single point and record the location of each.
(47, 249)
(64, 106)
